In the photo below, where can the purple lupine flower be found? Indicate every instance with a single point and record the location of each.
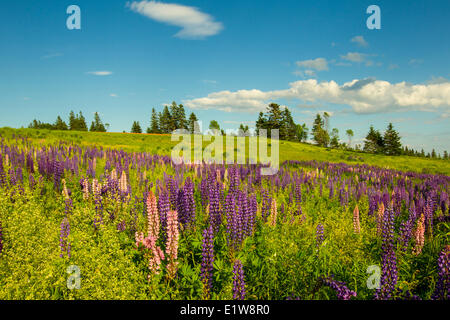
(406, 228)
(389, 266)
(319, 235)
(265, 206)
(121, 225)
(342, 292)
(69, 206)
(238, 281)
(442, 290)
(2, 173)
(1, 235)
(63, 239)
(207, 259)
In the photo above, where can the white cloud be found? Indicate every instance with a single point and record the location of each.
(363, 96)
(354, 57)
(194, 24)
(393, 66)
(360, 41)
(100, 73)
(113, 95)
(319, 64)
(415, 61)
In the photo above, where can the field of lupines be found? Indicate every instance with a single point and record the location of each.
(137, 227)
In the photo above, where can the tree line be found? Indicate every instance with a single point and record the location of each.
(174, 117)
(76, 123)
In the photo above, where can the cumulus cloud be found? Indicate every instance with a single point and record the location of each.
(100, 73)
(194, 24)
(319, 64)
(360, 41)
(362, 95)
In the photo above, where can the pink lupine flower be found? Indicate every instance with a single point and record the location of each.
(273, 213)
(152, 216)
(172, 242)
(356, 225)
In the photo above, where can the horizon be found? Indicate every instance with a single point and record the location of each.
(227, 61)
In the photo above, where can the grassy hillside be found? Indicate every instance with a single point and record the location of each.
(162, 144)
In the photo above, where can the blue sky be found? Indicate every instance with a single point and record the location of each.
(226, 60)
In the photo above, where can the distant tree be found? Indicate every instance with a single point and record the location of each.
(180, 117)
(320, 135)
(433, 154)
(326, 118)
(261, 123)
(154, 125)
(165, 121)
(81, 122)
(445, 155)
(392, 144)
(214, 125)
(60, 124)
(72, 121)
(301, 132)
(288, 130)
(374, 141)
(192, 123)
(350, 135)
(334, 142)
(422, 153)
(136, 128)
(97, 125)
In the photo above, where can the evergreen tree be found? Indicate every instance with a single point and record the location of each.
(136, 128)
(81, 122)
(274, 118)
(165, 121)
(392, 144)
(193, 123)
(261, 123)
(72, 121)
(288, 130)
(60, 124)
(97, 124)
(445, 155)
(433, 154)
(374, 141)
(154, 125)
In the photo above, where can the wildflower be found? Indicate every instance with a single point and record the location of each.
(63, 240)
(419, 235)
(273, 213)
(172, 243)
(238, 281)
(442, 291)
(356, 226)
(342, 292)
(319, 235)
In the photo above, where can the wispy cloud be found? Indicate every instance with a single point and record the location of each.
(393, 66)
(52, 55)
(210, 81)
(100, 73)
(194, 24)
(363, 96)
(360, 41)
(113, 95)
(415, 61)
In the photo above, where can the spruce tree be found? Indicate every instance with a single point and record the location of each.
(60, 124)
(192, 123)
(136, 128)
(392, 144)
(154, 126)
